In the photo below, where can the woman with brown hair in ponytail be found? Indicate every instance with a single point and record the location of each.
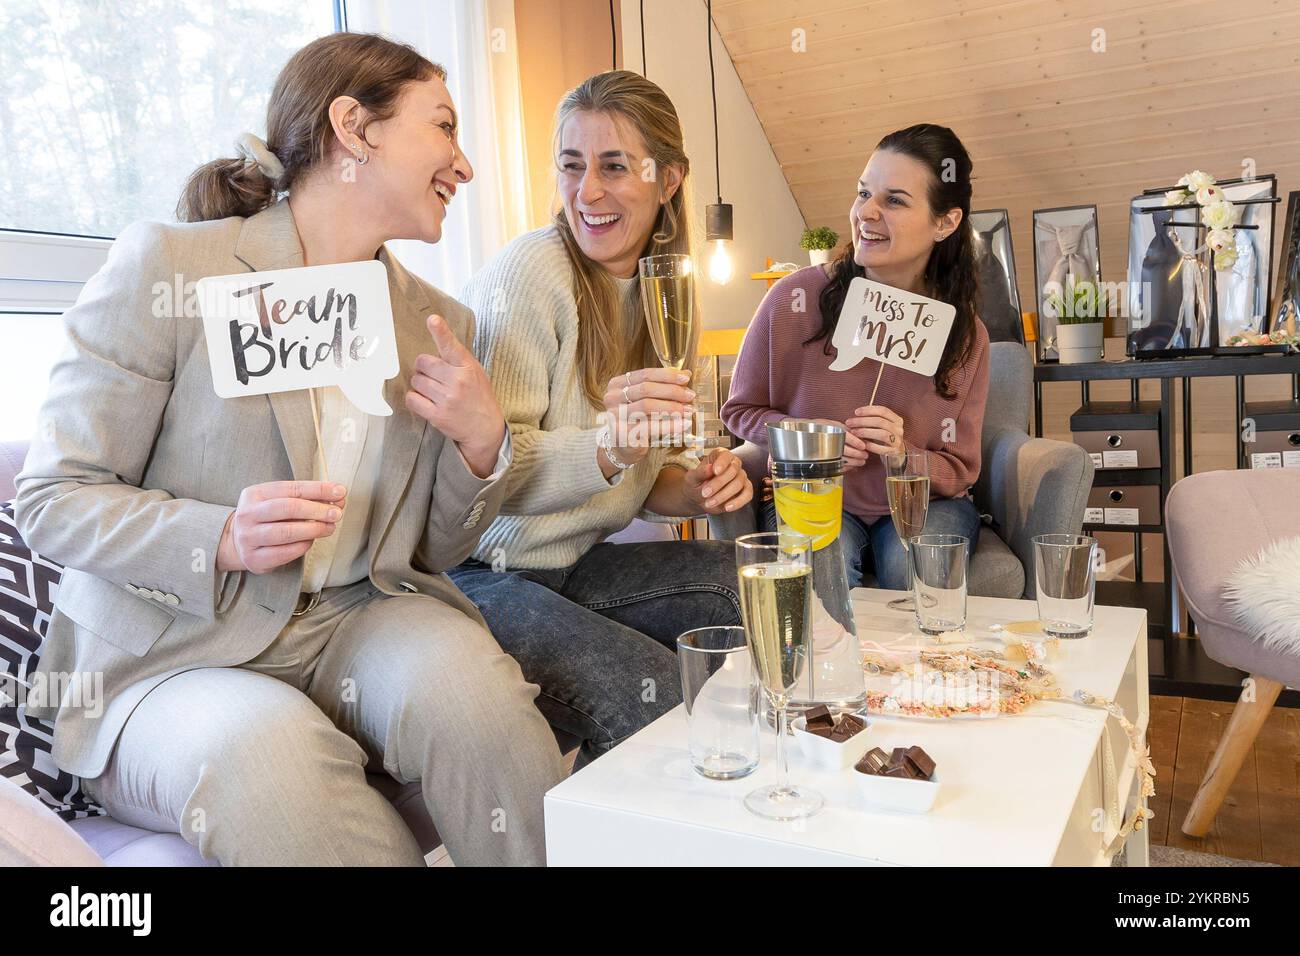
(910, 223)
(562, 334)
(268, 612)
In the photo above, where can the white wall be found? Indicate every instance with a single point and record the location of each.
(767, 221)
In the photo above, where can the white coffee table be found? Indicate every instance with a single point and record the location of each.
(1023, 790)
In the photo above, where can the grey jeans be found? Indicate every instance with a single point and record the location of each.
(600, 637)
(265, 764)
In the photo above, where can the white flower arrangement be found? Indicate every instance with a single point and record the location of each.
(1217, 214)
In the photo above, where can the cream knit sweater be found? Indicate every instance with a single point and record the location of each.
(558, 503)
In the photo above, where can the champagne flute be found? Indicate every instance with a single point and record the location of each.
(668, 298)
(907, 481)
(775, 570)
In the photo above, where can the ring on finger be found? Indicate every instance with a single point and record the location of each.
(627, 380)
(626, 397)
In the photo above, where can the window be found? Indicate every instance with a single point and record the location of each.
(105, 109)
(108, 107)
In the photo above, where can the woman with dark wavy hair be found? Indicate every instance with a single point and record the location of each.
(910, 229)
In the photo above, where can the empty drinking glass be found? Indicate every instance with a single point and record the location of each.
(939, 581)
(1065, 580)
(721, 692)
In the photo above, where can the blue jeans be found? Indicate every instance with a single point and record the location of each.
(600, 638)
(877, 539)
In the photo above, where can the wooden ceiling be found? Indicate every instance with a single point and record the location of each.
(1181, 84)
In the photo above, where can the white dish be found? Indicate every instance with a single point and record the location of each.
(898, 793)
(827, 754)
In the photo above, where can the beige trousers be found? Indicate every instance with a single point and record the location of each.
(264, 764)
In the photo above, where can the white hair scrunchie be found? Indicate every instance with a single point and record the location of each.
(254, 150)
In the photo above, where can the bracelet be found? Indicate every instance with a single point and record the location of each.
(607, 446)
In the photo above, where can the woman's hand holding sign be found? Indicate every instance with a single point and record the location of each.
(276, 522)
(879, 429)
(452, 393)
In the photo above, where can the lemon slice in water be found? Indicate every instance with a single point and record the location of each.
(816, 513)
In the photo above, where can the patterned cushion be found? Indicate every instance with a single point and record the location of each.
(28, 584)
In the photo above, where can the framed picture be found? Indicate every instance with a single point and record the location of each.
(1066, 251)
(1242, 292)
(999, 298)
(1170, 312)
(1284, 312)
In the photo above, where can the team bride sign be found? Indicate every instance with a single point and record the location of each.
(892, 326)
(302, 328)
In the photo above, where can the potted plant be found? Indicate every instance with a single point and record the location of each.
(819, 242)
(1080, 322)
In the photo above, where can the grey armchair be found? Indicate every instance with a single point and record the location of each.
(1028, 486)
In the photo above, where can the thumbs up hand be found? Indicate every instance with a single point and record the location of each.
(452, 393)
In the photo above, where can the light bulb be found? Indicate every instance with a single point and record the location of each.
(720, 263)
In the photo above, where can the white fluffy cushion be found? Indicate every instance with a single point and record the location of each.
(1264, 596)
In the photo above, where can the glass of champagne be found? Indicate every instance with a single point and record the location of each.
(668, 298)
(907, 480)
(775, 570)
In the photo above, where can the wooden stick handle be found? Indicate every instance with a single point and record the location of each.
(320, 442)
(877, 385)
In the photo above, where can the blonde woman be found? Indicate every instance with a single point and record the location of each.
(263, 634)
(562, 335)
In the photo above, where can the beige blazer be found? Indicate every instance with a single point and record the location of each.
(137, 464)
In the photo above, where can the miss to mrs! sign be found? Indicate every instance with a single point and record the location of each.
(302, 328)
(891, 325)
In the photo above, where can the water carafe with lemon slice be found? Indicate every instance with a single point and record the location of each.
(808, 487)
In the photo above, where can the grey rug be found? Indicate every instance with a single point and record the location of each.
(1176, 856)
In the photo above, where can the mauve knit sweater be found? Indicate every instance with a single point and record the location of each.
(778, 377)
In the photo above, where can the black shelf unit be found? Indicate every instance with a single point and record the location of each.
(1106, 477)
(1105, 416)
(1178, 665)
(1149, 595)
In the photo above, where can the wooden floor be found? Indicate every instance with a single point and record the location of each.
(1260, 819)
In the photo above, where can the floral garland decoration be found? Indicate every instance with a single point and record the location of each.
(1145, 769)
(1217, 214)
(1032, 682)
(1013, 690)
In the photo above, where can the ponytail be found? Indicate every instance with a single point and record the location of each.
(223, 188)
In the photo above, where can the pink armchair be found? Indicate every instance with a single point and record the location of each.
(1217, 520)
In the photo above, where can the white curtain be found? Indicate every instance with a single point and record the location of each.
(475, 41)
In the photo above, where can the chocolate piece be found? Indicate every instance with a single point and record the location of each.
(818, 718)
(838, 730)
(873, 761)
(898, 765)
(904, 763)
(847, 727)
(921, 760)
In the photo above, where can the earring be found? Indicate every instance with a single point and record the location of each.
(362, 158)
